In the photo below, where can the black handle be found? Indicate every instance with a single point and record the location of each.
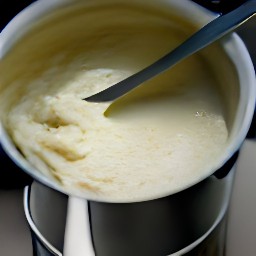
(227, 167)
(252, 131)
(11, 176)
(8, 9)
(220, 6)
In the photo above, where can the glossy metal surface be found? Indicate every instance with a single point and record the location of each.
(178, 223)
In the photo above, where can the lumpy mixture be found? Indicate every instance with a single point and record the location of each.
(161, 137)
(138, 148)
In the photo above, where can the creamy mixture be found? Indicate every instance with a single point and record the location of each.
(161, 137)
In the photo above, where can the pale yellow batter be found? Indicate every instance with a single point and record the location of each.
(155, 140)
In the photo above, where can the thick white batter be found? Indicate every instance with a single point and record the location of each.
(161, 137)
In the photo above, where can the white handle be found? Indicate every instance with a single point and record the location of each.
(77, 239)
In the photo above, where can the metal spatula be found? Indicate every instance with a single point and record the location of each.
(202, 38)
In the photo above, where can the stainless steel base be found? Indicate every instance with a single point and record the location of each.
(191, 222)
